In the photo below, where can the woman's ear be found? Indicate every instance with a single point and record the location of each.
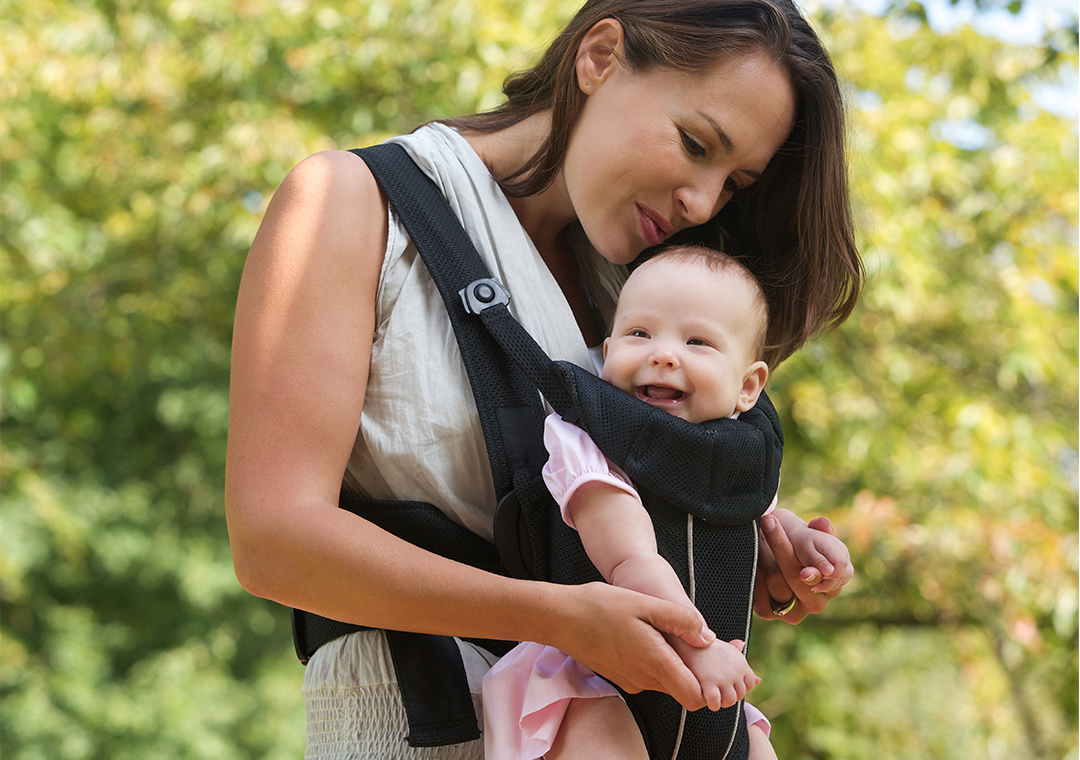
(598, 53)
(753, 382)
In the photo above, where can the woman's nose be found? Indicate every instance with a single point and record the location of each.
(702, 200)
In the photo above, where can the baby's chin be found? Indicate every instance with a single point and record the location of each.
(682, 408)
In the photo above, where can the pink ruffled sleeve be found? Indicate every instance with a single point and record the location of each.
(573, 461)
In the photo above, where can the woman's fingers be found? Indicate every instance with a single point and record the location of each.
(686, 623)
(621, 637)
(675, 678)
(769, 581)
(786, 582)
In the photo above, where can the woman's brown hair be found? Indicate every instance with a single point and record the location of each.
(792, 227)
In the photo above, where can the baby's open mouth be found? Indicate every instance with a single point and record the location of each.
(660, 392)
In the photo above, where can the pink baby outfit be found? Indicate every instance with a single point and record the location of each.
(526, 693)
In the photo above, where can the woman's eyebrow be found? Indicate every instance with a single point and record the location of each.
(725, 141)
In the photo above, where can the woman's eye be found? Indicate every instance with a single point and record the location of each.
(693, 147)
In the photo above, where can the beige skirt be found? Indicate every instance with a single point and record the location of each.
(354, 708)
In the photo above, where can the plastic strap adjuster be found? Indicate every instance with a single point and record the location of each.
(483, 294)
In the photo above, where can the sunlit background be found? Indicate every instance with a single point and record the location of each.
(937, 429)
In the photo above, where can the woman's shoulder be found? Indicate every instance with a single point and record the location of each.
(330, 198)
(326, 223)
(331, 177)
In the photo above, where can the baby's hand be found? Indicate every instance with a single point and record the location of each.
(823, 555)
(722, 670)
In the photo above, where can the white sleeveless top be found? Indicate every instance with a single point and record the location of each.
(420, 436)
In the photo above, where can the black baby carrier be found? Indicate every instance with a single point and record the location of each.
(705, 487)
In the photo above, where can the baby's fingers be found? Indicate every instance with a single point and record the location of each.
(750, 681)
(822, 524)
(842, 573)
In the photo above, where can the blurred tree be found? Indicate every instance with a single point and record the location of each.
(937, 429)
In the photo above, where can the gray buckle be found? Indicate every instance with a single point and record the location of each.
(483, 294)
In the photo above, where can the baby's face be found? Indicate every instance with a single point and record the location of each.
(682, 340)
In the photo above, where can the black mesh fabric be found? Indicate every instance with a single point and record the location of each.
(719, 471)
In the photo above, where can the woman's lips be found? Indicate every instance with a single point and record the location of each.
(654, 228)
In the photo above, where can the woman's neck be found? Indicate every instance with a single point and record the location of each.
(545, 215)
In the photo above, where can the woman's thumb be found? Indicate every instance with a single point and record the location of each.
(686, 623)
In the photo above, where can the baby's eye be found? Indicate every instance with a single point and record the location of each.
(693, 147)
(638, 334)
(695, 342)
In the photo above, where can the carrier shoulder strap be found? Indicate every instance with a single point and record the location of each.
(511, 413)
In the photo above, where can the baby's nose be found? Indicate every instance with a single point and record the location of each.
(664, 357)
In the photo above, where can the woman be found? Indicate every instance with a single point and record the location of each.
(645, 118)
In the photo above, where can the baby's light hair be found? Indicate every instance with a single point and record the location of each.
(721, 263)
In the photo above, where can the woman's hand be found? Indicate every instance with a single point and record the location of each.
(618, 633)
(783, 579)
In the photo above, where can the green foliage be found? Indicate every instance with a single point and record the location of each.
(937, 428)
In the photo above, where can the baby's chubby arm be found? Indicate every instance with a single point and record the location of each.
(618, 536)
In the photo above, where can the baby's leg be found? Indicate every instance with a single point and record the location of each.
(760, 746)
(595, 729)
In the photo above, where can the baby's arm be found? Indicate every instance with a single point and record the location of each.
(598, 500)
(618, 536)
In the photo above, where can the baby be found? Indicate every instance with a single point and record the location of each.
(688, 337)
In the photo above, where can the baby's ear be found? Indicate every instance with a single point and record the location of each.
(606, 341)
(753, 382)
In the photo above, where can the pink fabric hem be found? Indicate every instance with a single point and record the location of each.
(526, 694)
(754, 717)
(573, 461)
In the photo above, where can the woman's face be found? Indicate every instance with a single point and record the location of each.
(657, 152)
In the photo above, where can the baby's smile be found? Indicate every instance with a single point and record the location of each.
(659, 393)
